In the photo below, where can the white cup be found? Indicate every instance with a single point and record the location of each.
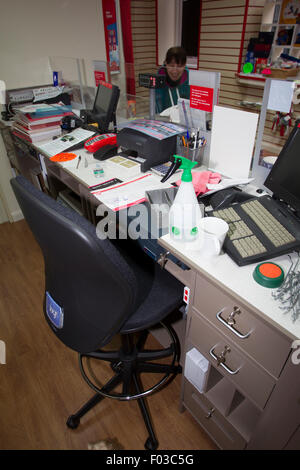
(214, 231)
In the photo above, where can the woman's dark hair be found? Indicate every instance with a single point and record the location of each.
(176, 53)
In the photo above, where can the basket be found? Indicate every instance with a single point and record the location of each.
(283, 73)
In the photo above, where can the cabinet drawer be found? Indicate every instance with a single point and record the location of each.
(211, 419)
(251, 379)
(183, 275)
(266, 345)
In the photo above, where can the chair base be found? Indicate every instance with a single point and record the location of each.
(127, 363)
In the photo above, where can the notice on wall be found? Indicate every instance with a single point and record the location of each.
(99, 77)
(281, 95)
(100, 70)
(201, 98)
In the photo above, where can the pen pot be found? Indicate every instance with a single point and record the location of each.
(195, 155)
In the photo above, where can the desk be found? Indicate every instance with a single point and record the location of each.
(79, 180)
(241, 401)
(239, 410)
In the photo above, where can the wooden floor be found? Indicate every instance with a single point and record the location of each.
(40, 384)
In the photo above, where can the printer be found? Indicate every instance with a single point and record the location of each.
(148, 142)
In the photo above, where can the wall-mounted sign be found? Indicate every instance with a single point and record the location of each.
(111, 35)
(201, 98)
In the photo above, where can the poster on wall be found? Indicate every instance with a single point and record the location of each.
(111, 35)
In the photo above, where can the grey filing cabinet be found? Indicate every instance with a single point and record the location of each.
(250, 372)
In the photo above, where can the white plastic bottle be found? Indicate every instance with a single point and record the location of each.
(98, 171)
(185, 212)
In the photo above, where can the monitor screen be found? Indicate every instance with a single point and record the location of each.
(105, 106)
(103, 98)
(283, 179)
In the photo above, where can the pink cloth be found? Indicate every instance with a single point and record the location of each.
(200, 180)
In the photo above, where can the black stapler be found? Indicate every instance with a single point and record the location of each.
(105, 152)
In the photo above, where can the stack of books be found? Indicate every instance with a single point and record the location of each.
(40, 122)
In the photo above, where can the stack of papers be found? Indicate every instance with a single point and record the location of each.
(38, 122)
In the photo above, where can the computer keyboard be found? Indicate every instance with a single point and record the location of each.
(258, 230)
(273, 229)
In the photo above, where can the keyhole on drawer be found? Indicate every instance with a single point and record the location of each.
(221, 358)
(231, 320)
(210, 413)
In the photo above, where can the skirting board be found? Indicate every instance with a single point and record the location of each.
(16, 216)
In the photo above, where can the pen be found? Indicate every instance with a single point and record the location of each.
(79, 158)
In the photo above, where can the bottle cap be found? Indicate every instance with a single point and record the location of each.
(268, 275)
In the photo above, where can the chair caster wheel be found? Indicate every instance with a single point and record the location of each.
(116, 366)
(73, 422)
(151, 444)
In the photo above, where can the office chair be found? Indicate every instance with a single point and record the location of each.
(94, 290)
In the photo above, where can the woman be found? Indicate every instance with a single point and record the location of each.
(177, 79)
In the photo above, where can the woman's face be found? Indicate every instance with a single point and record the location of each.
(175, 70)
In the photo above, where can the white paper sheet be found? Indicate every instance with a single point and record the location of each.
(56, 146)
(232, 141)
(281, 95)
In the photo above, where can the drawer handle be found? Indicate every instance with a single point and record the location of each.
(231, 321)
(221, 360)
(163, 258)
(210, 413)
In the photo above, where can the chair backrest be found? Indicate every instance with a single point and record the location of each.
(85, 276)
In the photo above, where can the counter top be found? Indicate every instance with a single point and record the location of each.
(238, 281)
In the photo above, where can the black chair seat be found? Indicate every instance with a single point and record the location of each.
(157, 305)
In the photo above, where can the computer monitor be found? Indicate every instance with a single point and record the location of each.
(105, 105)
(283, 179)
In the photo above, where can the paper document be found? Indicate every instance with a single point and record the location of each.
(281, 95)
(226, 183)
(73, 138)
(129, 193)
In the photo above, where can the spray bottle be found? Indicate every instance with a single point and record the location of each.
(185, 213)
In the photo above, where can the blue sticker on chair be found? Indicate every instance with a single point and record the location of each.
(54, 312)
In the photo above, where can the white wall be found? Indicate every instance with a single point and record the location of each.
(33, 30)
(166, 27)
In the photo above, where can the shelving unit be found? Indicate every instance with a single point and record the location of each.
(278, 18)
(286, 36)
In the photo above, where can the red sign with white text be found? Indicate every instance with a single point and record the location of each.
(99, 77)
(201, 98)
